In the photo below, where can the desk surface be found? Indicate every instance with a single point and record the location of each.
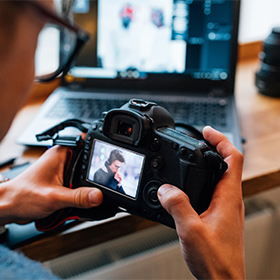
(260, 126)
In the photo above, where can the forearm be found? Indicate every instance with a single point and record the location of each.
(14, 204)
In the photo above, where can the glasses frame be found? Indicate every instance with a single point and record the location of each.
(82, 37)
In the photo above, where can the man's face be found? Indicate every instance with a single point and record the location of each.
(115, 166)
(17, 65)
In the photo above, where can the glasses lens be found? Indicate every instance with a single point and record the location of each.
(55, 46)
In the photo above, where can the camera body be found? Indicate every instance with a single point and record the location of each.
(152, 153)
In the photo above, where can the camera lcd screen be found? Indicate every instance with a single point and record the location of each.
(116, 168)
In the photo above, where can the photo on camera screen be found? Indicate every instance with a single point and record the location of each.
(116, 168)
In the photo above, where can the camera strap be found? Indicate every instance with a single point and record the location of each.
(72, 141)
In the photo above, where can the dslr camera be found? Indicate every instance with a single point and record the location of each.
(129, 154)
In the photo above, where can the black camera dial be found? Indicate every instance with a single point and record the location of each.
(150, 194)
(140, 104)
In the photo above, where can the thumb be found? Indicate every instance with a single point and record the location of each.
(83, 197)
(177, 204)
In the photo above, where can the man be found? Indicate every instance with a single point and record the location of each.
(18, 40)
(38, 191)
(109, 175)
(212, 243)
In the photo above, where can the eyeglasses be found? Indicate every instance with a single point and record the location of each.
(58, 45)
(117, 166)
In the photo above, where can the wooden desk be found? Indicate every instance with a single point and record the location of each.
(260, 125)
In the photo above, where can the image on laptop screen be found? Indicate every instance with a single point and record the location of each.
(135, 39)
(138, 35)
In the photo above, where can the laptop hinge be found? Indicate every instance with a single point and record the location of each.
(217, 92)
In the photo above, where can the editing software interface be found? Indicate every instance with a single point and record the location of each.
(137, 38)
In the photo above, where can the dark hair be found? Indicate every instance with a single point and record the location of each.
(115, 155)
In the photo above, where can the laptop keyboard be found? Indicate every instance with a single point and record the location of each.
(83, 108)
(192, 113)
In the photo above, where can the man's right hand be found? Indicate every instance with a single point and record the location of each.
(212, 243)
(118, 177)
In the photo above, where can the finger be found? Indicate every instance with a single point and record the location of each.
(54, 158)
(177, 204)
(230, 184)
(58, 151)
(83, 197)
(226, 149)
(83, 134)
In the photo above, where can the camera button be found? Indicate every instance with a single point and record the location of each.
(191, 157)
(154, 145)
(156, 162)
(175, 146)
(85, 157)
(183, 151)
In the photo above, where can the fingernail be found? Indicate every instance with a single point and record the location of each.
(207, 127)
(94, 197)
(163, 189)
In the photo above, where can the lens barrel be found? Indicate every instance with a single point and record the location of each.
(268, 77)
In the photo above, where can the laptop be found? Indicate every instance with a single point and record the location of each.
(180, 54)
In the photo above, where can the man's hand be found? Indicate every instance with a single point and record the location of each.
(39, 191)
(212, 243)
(118, 177)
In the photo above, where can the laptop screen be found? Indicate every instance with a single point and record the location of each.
(157, 44)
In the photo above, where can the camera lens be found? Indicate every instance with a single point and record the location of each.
(125, 129)
(267, 77)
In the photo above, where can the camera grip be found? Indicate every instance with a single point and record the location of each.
(71, 180)
(204, 180)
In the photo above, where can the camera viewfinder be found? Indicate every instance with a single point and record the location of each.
(125, 129)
